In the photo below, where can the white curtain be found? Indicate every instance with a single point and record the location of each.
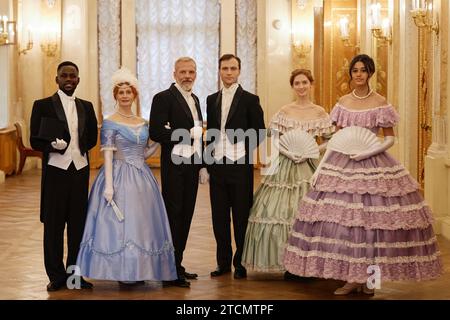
(109, 50)
(246, 42)
(169, 29)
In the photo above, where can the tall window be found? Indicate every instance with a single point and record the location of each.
(169, 29)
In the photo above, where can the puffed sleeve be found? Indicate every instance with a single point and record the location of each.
(108, 139)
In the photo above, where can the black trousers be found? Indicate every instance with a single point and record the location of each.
(231, 188)
(65, 201)
(179, 190)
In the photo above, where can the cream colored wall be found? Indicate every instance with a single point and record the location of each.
(79, 44)
(274, 56)
(227, 26)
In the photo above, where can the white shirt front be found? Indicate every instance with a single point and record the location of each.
(186, 150)
(223, 147)
(72, 153)
(187, 95)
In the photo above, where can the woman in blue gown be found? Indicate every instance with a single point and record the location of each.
(127, 234)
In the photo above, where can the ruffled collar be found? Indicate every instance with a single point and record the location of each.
(384, 116)
(318, 126)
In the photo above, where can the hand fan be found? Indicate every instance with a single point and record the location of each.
(353, 140)
(300, 143)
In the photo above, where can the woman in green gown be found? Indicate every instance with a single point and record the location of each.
(277, 198)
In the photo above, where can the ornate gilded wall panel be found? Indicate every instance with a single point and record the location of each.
(337, 53)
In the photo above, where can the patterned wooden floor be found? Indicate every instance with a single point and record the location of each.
(22, 274)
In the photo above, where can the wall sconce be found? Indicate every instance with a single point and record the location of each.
(301, 4)
(51, 3)
(50, 45)
(344, 29)
(7, 31)
(29, 43)
(421, 14)
(302, 50)
(381, 30)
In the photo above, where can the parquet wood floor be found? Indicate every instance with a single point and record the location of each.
(22, 274)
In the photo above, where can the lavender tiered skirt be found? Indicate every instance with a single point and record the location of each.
(361, 214)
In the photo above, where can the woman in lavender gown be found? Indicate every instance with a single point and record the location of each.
(364, 219)
(127, 235)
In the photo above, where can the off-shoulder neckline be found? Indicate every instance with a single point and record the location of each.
(126, 124)
(364, 110)
(282, 114)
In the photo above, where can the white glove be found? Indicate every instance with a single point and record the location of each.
(292, 156)
(387, 143)
(108, 193)
(59, 144)
(313, 179)
(204, 176)
(323, 146)
(196, 133)
(150, 148)
(167, 126)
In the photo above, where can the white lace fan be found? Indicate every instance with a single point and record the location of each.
(353, 140)
(300, 143)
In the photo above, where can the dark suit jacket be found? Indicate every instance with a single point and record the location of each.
(170, 106)
(245, 113)
(51, 107)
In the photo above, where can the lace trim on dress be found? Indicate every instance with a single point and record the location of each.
(364, 208)
(392, 245)
(342, 270)
(364, 170)
(364, 176)
(397, 220)
(251, 267)
(384, 187)
(374, 260)
(316, 127)
(385, 117)
(270, 221)
(167, 247)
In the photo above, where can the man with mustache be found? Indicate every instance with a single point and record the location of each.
(64, 128)
(175, 122)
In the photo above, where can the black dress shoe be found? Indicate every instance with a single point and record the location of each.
(188, 275)
(240, 273)
(55, 285)
(177, 283)
(85, 285)
(220, 271)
